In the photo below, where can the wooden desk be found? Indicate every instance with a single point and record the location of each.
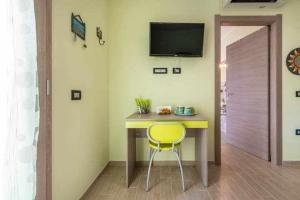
(196, 126)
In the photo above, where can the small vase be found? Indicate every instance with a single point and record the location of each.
(142, 110)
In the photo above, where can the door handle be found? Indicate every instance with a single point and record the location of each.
(48, 88)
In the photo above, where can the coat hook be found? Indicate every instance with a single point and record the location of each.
(99, 35)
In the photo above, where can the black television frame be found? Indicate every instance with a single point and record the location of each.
(176, 55)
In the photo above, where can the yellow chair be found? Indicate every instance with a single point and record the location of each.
(165, 136)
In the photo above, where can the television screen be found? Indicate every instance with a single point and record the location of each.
(176, 39)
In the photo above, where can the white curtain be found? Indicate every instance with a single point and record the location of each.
(19, 111)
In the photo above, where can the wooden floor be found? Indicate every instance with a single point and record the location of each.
(241, 176)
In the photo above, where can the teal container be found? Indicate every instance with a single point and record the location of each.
(188, 110)
(180, 110)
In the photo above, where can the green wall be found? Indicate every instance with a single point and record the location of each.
(89, 133)
(130, 68)
(80, 128)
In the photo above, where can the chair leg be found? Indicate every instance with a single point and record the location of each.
(149, 169)
(179, 153)
(150, 154)
(181, 171)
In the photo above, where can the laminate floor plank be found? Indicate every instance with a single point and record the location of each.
(240, 177)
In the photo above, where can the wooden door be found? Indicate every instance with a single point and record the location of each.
(43, 13)
(248, 94)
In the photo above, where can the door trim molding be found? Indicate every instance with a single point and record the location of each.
(43, 15)
(275, 24)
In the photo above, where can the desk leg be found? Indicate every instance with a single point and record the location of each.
(130, 161)
(201, 155)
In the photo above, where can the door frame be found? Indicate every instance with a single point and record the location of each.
(43, 15)
(275, 24)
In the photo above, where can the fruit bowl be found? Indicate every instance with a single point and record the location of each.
(164, 110)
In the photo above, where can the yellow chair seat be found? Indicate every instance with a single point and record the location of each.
(163, 146)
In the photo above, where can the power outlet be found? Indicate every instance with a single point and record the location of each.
(160, 70)
(297, 131)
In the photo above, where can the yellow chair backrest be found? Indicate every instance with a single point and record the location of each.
(166, 132)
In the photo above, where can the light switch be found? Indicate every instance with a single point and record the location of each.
(177, 70)
(75, 95)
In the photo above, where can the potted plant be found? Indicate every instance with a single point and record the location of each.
(143, 105)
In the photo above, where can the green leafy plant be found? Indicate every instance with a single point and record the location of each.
(143, 105)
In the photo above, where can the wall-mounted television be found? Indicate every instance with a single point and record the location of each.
(176, 39)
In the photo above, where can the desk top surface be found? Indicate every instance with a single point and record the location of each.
(171, 117)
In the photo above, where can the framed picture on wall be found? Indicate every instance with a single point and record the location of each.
(293, 61)
(78, 26)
